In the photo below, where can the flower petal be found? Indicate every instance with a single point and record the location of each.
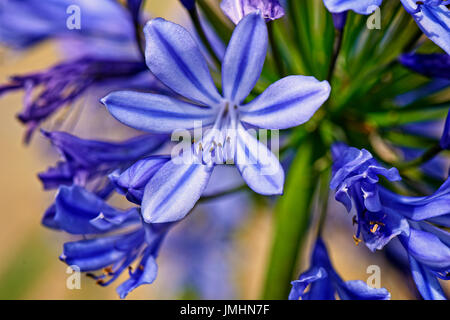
(236, 10)
(359, 290)
(174, 190)
(156, 113)
(427, 284)
(258, 166)
(299, 286)
(287, 103)
(244, 58)
(433, 20)
(174, 57)
(428, 250)
(79, 211)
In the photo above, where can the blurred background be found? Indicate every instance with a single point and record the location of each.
(29, 264)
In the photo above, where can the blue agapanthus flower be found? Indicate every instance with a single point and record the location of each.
(188, 4)
(173, 56)
(85, 160)
(64, 83)
(116, 239)
(431, 16)
(236, 10)
(103, 52)
(382, 215)
(445, 139)
(324, 282)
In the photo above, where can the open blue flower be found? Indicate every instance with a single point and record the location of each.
(174, 57)
(116, 239)
(382, 215)
(323, 282)
(237, 10)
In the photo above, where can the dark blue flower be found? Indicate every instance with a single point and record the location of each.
(77, 211)
(84, 160)
(174, 57)
(382, 215)
(26, 22)
(236, 10)
(323, 282)
(339, 20)
(188, 4)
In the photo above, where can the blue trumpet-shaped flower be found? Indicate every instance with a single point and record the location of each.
(382, 215)
(85, 160)
(434, 65)
(81, 212)
(236, 10)
(323, 282)
(64, 83)
(174, 57)
(432, 16)
(188, 4)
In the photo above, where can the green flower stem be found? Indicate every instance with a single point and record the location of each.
(275, 51)
(201, 33)
(291, 222)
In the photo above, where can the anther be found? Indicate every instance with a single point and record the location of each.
(357, 241)
(374, 228)
(108, 271)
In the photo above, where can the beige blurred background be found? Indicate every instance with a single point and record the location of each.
(29, 265)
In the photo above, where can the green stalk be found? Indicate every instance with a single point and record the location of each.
(275, 51)
(291, 222)
(201, 33)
